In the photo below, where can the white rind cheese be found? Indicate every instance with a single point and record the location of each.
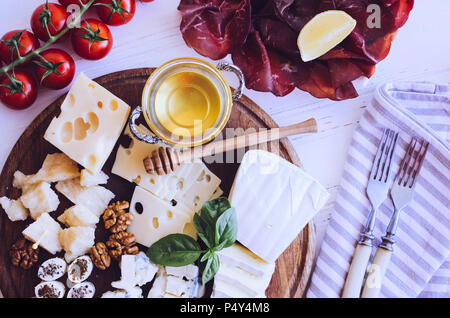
(241, 274)
(274, 200)
(89, 125)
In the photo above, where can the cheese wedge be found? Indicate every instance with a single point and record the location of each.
(89, 125)
(274, 200)
(44, 231)
(241, 274)
(154, 218)
(40, 198)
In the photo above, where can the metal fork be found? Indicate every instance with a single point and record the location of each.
(402, 193)
(377, 191)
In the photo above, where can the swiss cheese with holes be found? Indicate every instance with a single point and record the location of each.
(154, 218)
(89, 125)
(190, 185)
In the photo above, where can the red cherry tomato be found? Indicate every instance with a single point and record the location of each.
(21, 40)
(93, 40)
(67, 3)
(19, 94)
(54, 14)
(56, 69)
(115, 12)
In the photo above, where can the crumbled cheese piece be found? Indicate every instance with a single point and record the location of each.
(14, 209)
(76, 241)
(78, 215)
(45, 231)
(88, 179)
(39, 199)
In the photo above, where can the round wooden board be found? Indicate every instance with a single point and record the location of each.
(293, 267)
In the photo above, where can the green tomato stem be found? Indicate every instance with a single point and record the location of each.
(52, 39)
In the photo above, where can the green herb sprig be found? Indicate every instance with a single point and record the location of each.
(216, 226)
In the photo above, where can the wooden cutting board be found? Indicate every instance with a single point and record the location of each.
(293, 267)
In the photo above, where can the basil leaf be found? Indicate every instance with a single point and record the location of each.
(226, 229)
(206, 256)
(211, 268)
(174, 250)
(204, 230)
(213, 209)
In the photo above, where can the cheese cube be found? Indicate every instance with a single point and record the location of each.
(39, 199)
(95, 198)
(14, 209)
(127, 269)
(154, 218)
(88, 178)
(89, 125)
(273, 199)
(78, 215)
(76, 241)
(45, 231)
(241, 274)
(129, 165)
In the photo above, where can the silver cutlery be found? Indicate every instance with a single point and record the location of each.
(377, 192)
(402, 193)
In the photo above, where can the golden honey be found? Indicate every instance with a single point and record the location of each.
(187, 103)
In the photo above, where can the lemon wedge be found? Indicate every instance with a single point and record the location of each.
(324, 32)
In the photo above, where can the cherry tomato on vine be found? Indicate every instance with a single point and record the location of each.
(19, 90)
(51, 16)
(67, 3)
(93, 40)
(55, 68)
(17, 40)
(115, 12)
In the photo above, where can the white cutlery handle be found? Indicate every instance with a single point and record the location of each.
(355, 277)
(377, 270)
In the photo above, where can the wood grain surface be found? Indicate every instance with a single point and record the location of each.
(293, 267)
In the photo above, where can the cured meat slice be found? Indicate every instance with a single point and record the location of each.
(215, 28)
(262, 35)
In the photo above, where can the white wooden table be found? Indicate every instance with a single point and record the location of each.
(420, 52)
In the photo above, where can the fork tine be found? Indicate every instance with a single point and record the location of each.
(419, 160)
(405, 162)
(380, 150)
(389, 155)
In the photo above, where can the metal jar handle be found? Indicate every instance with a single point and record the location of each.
(227, 67)
(135, 114)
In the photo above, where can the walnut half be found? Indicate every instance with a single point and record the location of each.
(100, 256)
(122, 243)
(22, 254)
(116, 218)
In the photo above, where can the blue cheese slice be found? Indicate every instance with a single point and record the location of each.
(89, 125)
(274, 199)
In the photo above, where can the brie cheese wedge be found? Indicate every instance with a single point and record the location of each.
(274, 200)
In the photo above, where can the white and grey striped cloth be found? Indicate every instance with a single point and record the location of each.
(420, 265)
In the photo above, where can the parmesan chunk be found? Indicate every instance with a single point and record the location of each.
(78, 215)
(56, 167)
(45, 231)
(76, 241)
(88, 178)
(40, 199)
(14, 209)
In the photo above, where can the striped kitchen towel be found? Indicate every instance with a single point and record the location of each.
(420, 265)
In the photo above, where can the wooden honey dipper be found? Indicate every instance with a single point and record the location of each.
(164, 160)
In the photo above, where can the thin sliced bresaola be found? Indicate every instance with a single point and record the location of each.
(261, 36)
